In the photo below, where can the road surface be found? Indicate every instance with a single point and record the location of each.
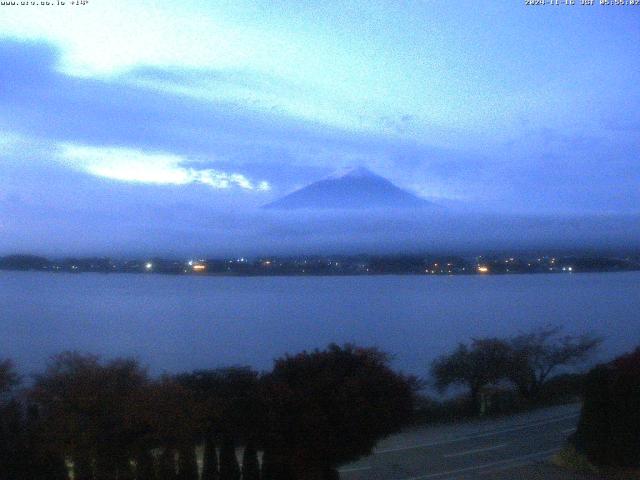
(488, 449)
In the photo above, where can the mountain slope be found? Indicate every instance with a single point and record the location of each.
(356, 189)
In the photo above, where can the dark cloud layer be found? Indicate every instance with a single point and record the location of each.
(78, 214)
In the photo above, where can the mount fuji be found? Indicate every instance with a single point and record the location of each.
(354, 189)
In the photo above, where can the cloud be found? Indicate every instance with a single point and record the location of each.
(538, 171)
(38, 102)
(106, 36)
(9, 141)
(129, 165)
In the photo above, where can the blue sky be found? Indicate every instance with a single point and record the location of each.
(116, 111)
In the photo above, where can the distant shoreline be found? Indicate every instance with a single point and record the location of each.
(312, 275)
(332, 266)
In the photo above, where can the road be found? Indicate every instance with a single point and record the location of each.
(488, 449)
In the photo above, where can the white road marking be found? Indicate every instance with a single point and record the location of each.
(486, 465)
(354, 469)
(475, 450)
(474, 436)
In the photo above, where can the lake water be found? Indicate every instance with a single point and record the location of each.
(180, 323)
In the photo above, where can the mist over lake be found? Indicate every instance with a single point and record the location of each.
(181, 323)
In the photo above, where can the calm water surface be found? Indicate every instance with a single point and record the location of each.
(180, 323)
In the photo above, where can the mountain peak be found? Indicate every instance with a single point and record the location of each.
(351, 189)
(353, 172)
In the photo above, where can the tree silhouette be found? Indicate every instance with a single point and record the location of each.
(330, 407)
(84, 405)
(229, 409)
(229, 468)
(537, 354)
(8, 376)
(187, 463)
(250, 465)
(144, 465)
(210, 460)
(13, 460)
(167, 465)
(11, 434)
(227, 400)
(485, 362)
(171, 413)
(44, 461)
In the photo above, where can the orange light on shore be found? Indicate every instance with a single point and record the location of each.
(199, 268)
(483, 269)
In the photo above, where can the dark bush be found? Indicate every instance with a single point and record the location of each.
(275, 466)
(330, 407)
(609, 428)
(429, 410)
(564, 388)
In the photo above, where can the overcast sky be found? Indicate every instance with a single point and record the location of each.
(128, 117)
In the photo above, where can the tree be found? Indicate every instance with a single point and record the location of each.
(12, 461)
(250, 465)
(85, 408)
(537, 354)
(229, 468)
(483, 363)
(8, 376)
(144, 465)
(230, 410)
(187, 463)
(330, 407)
(44, 461)
(171, 412)
(228, 401)
(210, 460)
(23, 453)
(167, 465)
(10, 421)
